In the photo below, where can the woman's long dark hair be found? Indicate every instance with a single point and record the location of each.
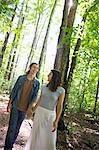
(30, 67)
(55, 81)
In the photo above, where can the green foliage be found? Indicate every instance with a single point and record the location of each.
(83, 88)
(5, 85)
(6, 11)
(84, 85)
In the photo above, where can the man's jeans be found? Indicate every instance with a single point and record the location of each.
(16, 119)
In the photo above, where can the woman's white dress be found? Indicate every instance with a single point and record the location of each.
(42, 137)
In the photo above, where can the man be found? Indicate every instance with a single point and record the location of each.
(22, 99)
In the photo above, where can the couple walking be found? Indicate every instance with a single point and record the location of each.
(23, 101)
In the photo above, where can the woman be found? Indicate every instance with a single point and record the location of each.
(43, 134)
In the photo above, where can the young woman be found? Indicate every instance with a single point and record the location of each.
(43, 134)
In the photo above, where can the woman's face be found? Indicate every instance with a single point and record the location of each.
(50, 76)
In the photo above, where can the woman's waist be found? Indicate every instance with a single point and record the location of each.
(48, 106)
(46, 109)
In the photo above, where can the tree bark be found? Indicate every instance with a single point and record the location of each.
(33, 43)
(43, 55)
(94, 110)
(63, 50)
(66, 50)
(58, 58)
(74, 57)
(7, 36)
(16, 39)
(68, 77)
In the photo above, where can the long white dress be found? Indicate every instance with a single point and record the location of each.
(42, 137)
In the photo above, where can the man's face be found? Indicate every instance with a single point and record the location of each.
(34, 69)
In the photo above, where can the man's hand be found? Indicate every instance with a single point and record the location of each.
(9, 107)
(31, 110)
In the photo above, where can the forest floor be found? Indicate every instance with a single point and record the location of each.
(83, 130)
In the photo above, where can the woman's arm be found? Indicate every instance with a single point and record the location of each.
(58, 111)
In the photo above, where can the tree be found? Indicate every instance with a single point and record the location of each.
(96, 99)
(7, 35)
(33, 43)
(63, 50)
(66, 68)
(16, 38)
(43, 50)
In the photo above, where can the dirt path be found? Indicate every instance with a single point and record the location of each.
(83, 131)
(4, 118)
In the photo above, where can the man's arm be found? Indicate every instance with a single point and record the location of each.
(9, 106)
(13, 91)
(34, 101)
(32, 109)
(35, 95)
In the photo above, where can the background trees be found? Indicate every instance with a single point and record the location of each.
(59, 33)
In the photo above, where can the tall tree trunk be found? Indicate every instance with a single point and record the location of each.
(83, 88)
(16, 41)
(97, 91)
(33, 43)
(68, 79)
(7, 36)
(40, 33)
(82, 98)
(63, 49)
(74, 57)
(58, 58)
(43, 51)
(66, 47)
(17, 59)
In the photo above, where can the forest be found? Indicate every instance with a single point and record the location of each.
(60, 34)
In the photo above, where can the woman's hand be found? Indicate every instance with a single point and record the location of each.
(55, 125)
(29, 113)
(34, 109)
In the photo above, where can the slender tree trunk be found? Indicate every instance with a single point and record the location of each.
(63, 50)
(33, 43)
(43, 51)
(97, 91)
(58, 58)
(66, 50)
(83, 88)
(82, 98)
(9, 60)
(7, 36)
(16, 40)
(17, 59)
(40, 33)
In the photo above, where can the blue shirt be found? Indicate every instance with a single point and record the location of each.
(17, 89)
